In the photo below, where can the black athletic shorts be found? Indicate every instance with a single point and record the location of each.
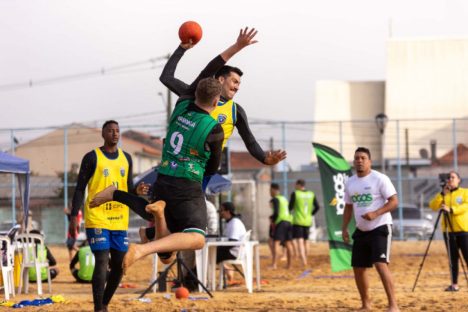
(224, 253)
(299, 231)
(283, 232)
(185, 204)
(372, 246)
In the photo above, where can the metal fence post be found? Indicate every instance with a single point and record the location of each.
(13, 181)
(399, 182)
(65, 175)
(285, 173)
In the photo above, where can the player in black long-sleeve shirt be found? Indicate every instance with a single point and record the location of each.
(228, 113)
(110, 231)
(230, 81)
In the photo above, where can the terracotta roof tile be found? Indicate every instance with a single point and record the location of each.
(244, 161)
(462, 156)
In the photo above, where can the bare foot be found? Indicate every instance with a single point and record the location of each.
(393, 309)
(142, 233)
(365, 308)
(103, 196)
(156, 208)
(272, 266)
(132, 255)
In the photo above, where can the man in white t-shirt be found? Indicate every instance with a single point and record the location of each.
(371, 196)
(234, 230)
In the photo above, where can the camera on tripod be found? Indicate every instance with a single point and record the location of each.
(443, 179)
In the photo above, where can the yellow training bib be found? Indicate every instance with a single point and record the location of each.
(112, 215)
(225, 115)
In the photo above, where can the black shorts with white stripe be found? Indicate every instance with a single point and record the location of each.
(372, 246)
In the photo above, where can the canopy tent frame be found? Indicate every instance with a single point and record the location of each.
(19, 168)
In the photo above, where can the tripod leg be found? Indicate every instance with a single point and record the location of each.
(238, 270)
(427, 249)
(196, 278)
(166, 270)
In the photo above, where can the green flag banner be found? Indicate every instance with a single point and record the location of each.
(334, 171)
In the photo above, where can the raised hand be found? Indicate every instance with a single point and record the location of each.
(246, 37)
(187, 45)
(274, 157)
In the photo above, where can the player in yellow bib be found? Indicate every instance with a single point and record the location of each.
(107, 224)
(228, 113)
(304, 205)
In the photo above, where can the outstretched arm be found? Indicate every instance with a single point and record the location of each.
(270, 158)
(168, 74)
(244, 39)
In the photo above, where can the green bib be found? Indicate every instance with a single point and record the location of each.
(283, 211)
(303, 205)
(42, 257)
(184, 153)
(86, 259)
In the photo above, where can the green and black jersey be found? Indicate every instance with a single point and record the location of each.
(186, 151)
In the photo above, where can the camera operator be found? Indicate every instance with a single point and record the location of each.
(453, 200)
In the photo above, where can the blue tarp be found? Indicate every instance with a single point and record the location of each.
(13, 164)
(20, 167)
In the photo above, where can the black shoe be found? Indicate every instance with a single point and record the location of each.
(452, 288)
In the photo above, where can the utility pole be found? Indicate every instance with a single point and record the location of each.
(271, 149)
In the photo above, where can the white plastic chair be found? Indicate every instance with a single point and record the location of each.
(244, 259)
(7, 263)
(29, 244)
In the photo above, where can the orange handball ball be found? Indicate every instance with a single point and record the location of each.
(190, 30)
(182, 293)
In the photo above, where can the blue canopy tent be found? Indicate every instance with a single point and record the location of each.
(20, 168)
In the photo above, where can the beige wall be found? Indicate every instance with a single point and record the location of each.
(358, 101)
(428, 79)
(46, 153)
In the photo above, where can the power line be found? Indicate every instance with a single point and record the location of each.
(119, 69)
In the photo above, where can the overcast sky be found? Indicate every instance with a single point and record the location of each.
(300, 42)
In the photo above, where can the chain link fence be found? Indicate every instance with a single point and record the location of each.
(413, 153)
